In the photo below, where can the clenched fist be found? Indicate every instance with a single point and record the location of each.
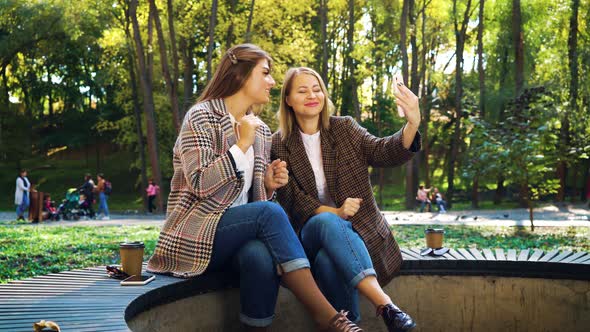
(350, 207)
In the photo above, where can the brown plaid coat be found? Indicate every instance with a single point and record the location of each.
(347, 151)
(204, 185)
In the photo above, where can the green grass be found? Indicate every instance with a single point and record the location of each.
(27, 251)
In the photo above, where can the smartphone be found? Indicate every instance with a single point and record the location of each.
(397, 80)
(137, 281)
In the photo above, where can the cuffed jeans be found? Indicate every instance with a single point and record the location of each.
(24, 205)
(253, 239)
(103, 206)
(340, 260)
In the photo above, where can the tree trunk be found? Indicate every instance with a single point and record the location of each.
(248, 36)
(517, 38)
(136, 112)
(148, 100)
(229, 37)
(480, 70)
(323, 13)
(414, 85)
(475, 192)
(4, 105)
(460, 37)
(187, 51)
(211, 45)
(411, 186)
(352, 63)
(171, 82)
(572, 55)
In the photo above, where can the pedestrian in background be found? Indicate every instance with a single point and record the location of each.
(102, 196)
(21, 194)
(152, 191)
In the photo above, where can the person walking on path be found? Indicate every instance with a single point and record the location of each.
(152, 192)
(102, 196)
(21, 194)
(219, 216)
(329, 197)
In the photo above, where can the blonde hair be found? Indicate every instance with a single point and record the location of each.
(286, 115)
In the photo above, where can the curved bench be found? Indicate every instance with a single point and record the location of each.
(466, 289)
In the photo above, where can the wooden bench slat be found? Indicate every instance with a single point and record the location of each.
(582, 259)
(500, 255)
(523, 256)
(537, 253)
(489, 255)
(456, 254)
(466, 254)
(511, 255)
(549, 255)
(573, 257)
(410, 253)
(476, 254)
(561, 256)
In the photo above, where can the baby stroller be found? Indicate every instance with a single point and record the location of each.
(74, 206)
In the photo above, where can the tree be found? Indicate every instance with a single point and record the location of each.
(460, 38)
(211, 43)
(171, 80)
(148, 99)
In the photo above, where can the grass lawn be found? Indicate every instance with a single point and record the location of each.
(27, 251)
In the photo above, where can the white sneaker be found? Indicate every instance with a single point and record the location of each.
(106, 218)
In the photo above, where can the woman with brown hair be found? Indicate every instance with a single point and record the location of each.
(219, 216)
(329, 197)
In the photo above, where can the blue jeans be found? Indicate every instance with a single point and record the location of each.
(340, 260)
(24, 205)
(103, 204)
(256, 239)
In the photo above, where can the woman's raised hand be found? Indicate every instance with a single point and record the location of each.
(247, 131)
(410, 104)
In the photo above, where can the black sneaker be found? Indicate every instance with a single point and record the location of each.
(395, 319)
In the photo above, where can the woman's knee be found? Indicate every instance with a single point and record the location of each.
(254, 257)
(327, 221)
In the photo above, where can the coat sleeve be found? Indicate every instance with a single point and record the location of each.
(379, 151)
(20, 184)
(206, 172)
(298, 205)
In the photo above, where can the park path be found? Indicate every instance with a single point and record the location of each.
(547, 216)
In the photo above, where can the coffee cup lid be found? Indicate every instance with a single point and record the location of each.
(434, 230)
(130, 245)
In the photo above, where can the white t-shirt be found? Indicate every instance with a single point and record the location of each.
(313, 149)
(244, 163)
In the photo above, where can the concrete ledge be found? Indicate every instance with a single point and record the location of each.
(461, 291)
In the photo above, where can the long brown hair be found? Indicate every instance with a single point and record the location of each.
(287, 121)
(233, 70)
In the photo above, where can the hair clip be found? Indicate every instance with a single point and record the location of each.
(232, 57)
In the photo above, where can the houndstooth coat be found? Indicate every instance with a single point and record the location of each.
(347, 152)
(204, 185)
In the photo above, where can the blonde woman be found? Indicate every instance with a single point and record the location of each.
(329, 198)
(219, 216)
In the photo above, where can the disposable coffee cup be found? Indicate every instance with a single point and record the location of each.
(132, 257)
(434, 237)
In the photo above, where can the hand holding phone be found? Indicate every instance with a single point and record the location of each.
(398, 80)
